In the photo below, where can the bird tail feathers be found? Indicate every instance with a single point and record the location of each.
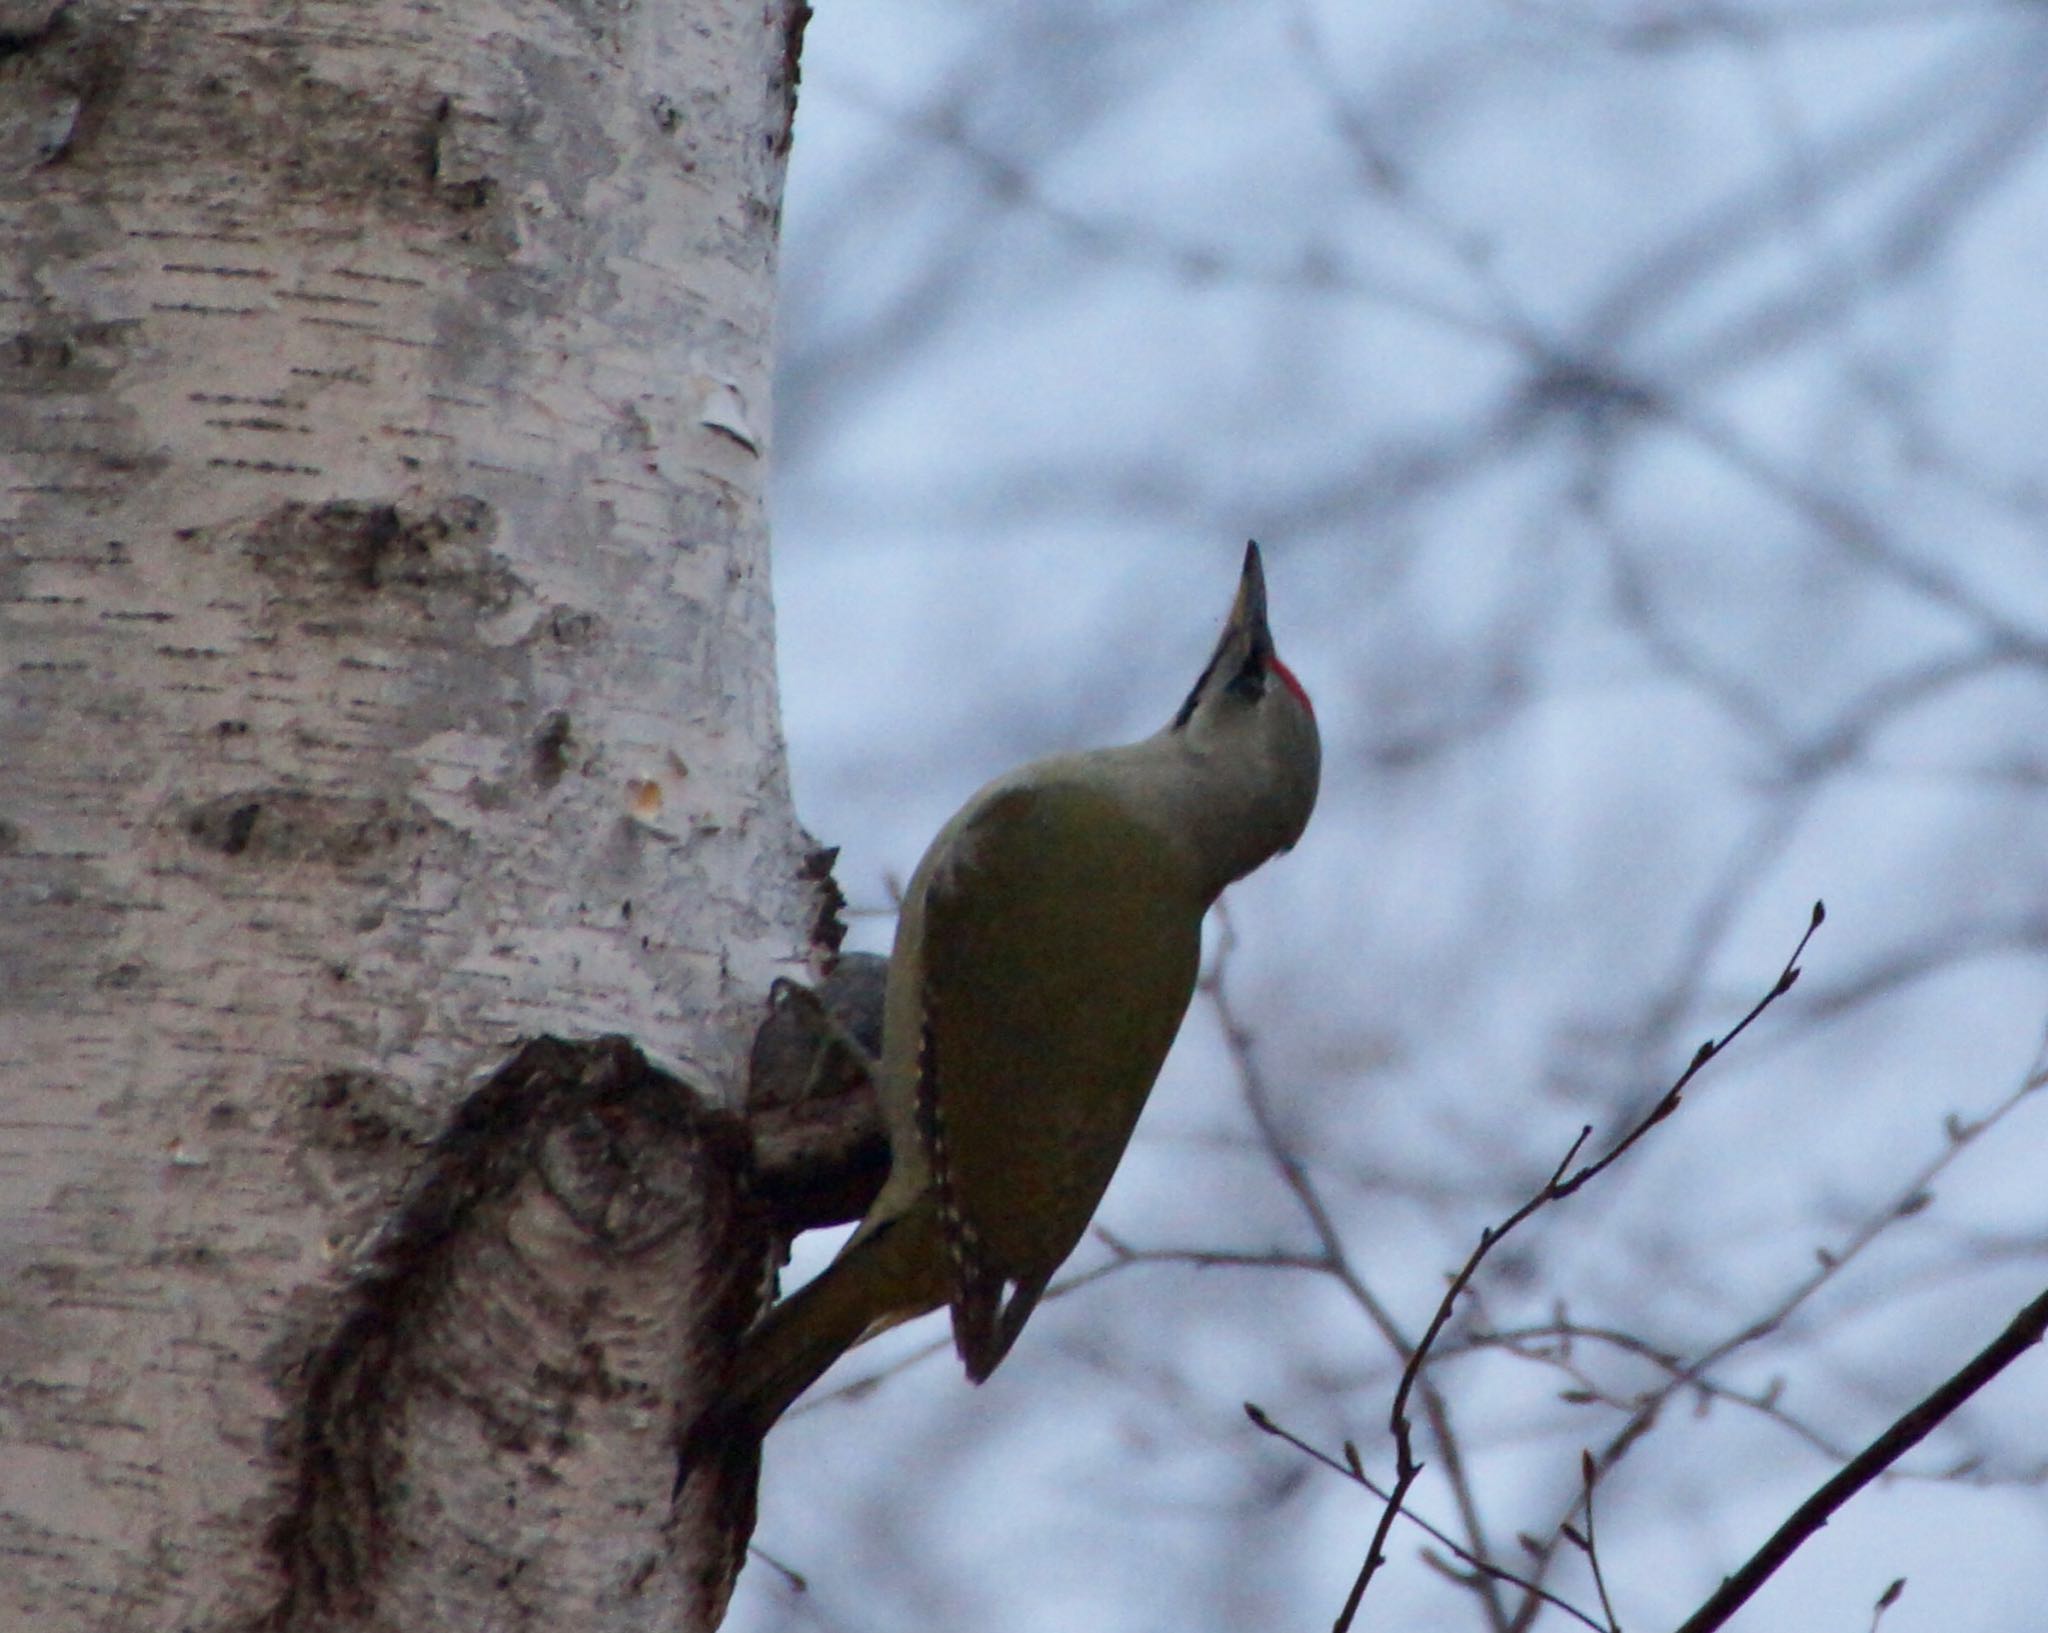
(887, 1276)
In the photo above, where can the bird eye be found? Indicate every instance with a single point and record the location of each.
(1249, 683)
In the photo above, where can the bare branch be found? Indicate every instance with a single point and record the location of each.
(2022, 1334)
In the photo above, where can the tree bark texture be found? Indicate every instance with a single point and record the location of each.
(388, 677)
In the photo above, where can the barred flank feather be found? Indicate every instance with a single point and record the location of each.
(984, 1324)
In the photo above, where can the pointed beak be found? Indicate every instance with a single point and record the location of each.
(1245, 635)
(1248, 611)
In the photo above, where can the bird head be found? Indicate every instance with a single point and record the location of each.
(1249, 721)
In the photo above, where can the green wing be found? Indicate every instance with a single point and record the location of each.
(1061, 945)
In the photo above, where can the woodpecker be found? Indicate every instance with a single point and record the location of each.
(1045, 954)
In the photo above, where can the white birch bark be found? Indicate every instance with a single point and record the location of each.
(385, 676)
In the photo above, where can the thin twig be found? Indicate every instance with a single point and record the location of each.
(1353, 1469)
(1666, 1106)
(1588, 1475)
(1550, 1344)
(1295, 1175)
(1903, 1203)
(1563, 1182)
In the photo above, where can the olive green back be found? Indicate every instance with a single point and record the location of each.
(1061, 945)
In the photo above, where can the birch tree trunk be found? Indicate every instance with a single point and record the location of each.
(387, 678)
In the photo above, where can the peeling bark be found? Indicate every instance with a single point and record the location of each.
(562, 1273)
